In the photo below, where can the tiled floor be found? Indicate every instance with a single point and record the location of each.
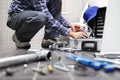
(21, 73)
(9, 50)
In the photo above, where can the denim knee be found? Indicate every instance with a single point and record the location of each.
(39, 17)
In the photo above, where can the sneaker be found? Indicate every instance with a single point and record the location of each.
(20, 45)
(47, 42)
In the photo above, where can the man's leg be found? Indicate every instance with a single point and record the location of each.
(51, 35)
(26, 24)
(54, 7)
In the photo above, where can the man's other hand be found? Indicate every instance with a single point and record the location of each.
(78, 35)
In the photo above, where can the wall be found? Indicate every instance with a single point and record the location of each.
(5, 32)
(111, 38)
(73, 10)
(100, 3)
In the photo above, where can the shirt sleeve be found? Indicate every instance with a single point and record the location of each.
(40, 5)
(63, 21)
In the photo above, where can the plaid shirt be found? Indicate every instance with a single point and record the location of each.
(40, 5)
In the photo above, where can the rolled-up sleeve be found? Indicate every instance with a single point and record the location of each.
(40, 5)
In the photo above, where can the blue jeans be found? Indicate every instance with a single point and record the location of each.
(54, 7)
(26, 24)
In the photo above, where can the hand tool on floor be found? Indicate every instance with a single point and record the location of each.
(60, 64)
(50, 68)
(93, 63)
(41, 71)
(113, 57)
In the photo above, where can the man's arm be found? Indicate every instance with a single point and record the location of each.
(63, 21)
(40, 5)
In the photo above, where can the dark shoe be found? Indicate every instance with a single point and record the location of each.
(20, 45)
(47, 42)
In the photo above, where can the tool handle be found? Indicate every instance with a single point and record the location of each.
(92, 63)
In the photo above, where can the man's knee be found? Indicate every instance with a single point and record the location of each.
(42, 17)
(38, 17)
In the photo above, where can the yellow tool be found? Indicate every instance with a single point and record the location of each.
(50, 68)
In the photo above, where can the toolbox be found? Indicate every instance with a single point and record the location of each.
(89, 44)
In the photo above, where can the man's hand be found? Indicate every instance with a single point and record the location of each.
(75, 27)
(77, 35)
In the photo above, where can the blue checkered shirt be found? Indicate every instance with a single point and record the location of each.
(40, 5)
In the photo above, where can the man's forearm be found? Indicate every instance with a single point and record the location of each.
(63, 21)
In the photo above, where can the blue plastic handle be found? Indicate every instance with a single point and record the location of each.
(92, 63)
